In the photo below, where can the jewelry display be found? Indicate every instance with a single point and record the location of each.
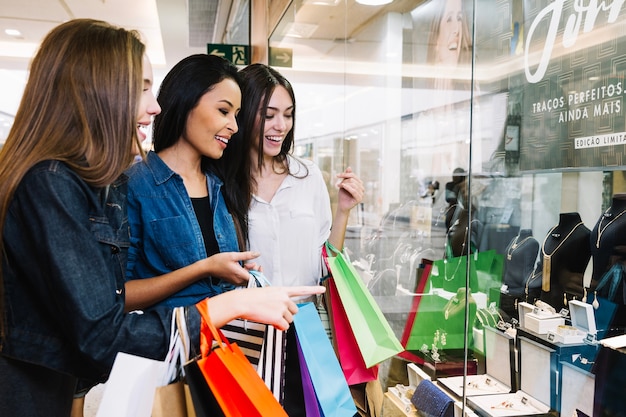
(530, 279)
(523, 405)
(486, 384)
(439, 341)
(547, 258)
(602, 229)
(445, 260)
(515, 245)
(505, 405)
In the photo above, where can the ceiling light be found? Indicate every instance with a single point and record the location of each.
(322, 2)
(13, 33)
(373, 2)
(299, 30)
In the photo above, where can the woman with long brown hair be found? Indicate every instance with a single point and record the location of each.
(65, 230)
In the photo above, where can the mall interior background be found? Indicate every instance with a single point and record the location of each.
(375, 93)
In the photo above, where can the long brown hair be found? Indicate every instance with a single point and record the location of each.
(79, 107)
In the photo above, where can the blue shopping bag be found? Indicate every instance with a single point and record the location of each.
(332, 390)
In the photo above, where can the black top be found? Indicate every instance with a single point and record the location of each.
(202, 208)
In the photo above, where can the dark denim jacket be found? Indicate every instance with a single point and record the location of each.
(66, 246)
(165, 234)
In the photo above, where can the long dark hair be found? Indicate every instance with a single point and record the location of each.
(181, 90)
(258, 84)
(79, 106)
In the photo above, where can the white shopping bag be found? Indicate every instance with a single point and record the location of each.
(129, 392)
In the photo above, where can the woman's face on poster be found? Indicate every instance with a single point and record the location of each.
(450, 33)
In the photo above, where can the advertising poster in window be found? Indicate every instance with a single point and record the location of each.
(573, 85)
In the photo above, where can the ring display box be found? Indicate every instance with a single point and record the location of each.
(524, 308)
(582, 328)
(518, 404)
(499, 366)
(536, 385)
(543, 321)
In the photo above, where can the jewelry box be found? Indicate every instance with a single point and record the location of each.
(517, 404)
(536, 385)
(542, 321)
(499, 366)
(582, 328)
(524, 308)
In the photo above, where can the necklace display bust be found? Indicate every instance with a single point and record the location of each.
(519, 262)
(565, 254)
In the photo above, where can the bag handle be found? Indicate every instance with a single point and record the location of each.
(258, 279)
(329, 247)
(207, 324)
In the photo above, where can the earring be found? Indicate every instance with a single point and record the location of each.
(595, 303)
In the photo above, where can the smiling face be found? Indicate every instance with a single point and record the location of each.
(278, 122)
(212, 122)
(450, 33)
(148, 105)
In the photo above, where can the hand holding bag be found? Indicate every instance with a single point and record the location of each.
(237, 388)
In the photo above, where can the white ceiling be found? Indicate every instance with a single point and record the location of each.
(164, 24)
(153, 18)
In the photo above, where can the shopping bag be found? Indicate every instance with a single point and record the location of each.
(129, 391)
(169, 401)
(310, 399)
(352, 364)
(170, 397)
(374, 335)
(237, 388)
(331, 389)
(133, 381)
(271, 367)
(248, 335)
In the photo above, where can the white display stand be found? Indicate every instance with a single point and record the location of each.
(508, 405)
(498, 366)
(583, 327)
(577, 390)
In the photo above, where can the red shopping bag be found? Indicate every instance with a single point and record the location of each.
(350, 358)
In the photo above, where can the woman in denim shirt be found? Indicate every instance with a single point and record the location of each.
(64, 228)
(180, 213)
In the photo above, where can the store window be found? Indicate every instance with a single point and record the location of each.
(490, 135)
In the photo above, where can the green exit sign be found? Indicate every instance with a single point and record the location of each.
(237, 54)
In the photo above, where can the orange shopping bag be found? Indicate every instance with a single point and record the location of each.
(237, 388)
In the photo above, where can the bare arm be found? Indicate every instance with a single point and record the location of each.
(271, 305)
(351, 191)
(142, 293)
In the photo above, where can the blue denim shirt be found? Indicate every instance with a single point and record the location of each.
(64, 267)
(165, 234)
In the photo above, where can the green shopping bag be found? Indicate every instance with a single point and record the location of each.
(375, 338)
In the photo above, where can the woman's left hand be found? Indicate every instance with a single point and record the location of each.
(351, 190)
